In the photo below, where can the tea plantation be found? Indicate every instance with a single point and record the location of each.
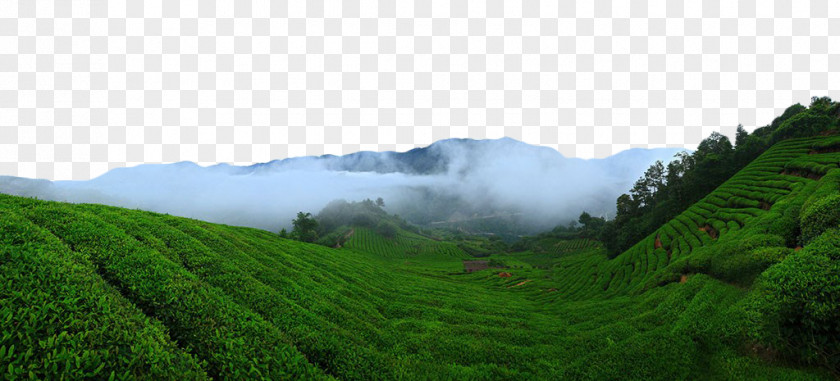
(745, 284)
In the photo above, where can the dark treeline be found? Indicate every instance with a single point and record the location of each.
(665, 190)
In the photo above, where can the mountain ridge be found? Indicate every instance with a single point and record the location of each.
(343, 162)
(453, 176)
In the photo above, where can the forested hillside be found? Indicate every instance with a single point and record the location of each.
(666, 189)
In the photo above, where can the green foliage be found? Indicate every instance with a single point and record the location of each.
(820, 216)
(89, 291)
(591, 225)
(338, 218)
(337, 238)
(827, 144)
(387, 229)
(741, 136)
(664, 192)
(402, 244)
(808, 123)
(305, 227)
(786, 221)
(800, 304)
(59, 319)
(366, 213)
(496, 263)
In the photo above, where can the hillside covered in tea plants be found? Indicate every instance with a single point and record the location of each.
(743, 284)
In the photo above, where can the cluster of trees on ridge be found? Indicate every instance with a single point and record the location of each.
(664, 191)
(335, 224)
(331, 226)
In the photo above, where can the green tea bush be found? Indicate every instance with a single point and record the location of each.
(737, 260)
(60, 320)
(821, 215)
(803, 124)
(827, 144)
(387, 229)
(235, 342)
(800, 303)
(785, 222)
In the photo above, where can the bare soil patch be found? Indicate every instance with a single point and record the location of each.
(712, 232)
(803, 174)
(520, 283)
(824, 150)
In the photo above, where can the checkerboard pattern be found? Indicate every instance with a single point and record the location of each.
(89, 85)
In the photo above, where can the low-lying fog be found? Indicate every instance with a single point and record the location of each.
(453, 177)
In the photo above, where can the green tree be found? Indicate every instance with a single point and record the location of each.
(662, 193)
(715, 144)
(305, 227)
(626, 207)
(584, 218)
(591, 225)
(741, 136)
(647, 187)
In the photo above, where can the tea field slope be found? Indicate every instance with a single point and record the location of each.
(761, 203)
(90, 291)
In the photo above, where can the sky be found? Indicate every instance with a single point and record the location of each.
(87, 86)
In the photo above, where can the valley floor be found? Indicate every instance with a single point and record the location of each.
(99, 292)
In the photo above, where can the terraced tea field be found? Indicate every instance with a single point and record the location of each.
(98, 292)
(406, 245)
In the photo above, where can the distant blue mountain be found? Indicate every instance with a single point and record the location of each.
(448, 180)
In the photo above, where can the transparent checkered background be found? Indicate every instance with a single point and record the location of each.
(90, 85)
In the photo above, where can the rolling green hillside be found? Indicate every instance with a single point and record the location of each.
(405, 245)
(744, 284)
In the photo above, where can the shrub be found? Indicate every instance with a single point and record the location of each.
(803, 124)
(61, 320)
(387, 229)
(742, 260)
(827, 244)
(820, 216)
(333, 239)
(801, 306)
(786, 222)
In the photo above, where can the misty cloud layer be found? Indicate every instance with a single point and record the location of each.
(484, 176)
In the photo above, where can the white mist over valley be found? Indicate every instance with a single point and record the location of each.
(450, 181)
